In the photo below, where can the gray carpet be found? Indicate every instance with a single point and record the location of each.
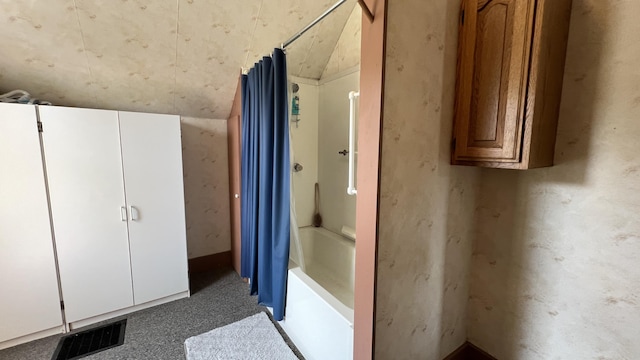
(217, 299)
(252, 338)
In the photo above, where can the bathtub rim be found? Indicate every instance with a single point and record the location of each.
(338, 237)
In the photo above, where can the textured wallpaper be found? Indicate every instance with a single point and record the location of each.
(163, 56)
(346, 53)
(307, 57)
(206, 183)
(426, 205)
(555, 270)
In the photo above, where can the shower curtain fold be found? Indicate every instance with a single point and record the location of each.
(265, 188)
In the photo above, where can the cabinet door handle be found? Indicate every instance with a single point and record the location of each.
(123, 213)
(135, 214)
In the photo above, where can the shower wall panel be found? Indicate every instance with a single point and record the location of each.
(304, 142)
(337, 208)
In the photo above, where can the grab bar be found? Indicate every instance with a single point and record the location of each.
(351, 190)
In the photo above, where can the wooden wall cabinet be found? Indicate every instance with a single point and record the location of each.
(511, 61)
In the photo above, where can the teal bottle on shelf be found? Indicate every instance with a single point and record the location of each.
(295, 105)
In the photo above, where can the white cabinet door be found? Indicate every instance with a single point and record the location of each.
(152, 160)
(84, 167)
(29, 300)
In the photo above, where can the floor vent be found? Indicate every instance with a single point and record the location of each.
(78, 345)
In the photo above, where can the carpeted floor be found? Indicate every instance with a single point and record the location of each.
(217, 298)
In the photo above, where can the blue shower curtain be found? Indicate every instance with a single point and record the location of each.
(265, 180)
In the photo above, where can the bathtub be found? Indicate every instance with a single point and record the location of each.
(319, 312)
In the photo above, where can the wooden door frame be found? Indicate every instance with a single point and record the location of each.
(234, 128)
(372, 64)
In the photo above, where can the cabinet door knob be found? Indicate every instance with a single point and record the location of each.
(123, 213)
(237, 196)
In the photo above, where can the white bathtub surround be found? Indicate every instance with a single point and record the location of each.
(319, 314)
(323, 131)
(336, 206)
(330, 261)
(304, 148)
(319, 317)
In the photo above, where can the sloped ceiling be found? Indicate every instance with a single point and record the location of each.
(166, 56)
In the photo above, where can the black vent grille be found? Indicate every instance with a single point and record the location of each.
(78, 345)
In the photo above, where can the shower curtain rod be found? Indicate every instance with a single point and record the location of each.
(312, 24)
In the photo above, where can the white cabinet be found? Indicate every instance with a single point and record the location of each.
(84, 168)
(152, 162)
(117, 203)
(29, 300)
(110, 237)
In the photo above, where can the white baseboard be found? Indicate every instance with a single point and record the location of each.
(113, 314)
(81, 323)
(35, 336)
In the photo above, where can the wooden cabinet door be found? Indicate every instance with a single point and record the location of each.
(30, 302)
(84, 168)
(493, 65)
(152, 163)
